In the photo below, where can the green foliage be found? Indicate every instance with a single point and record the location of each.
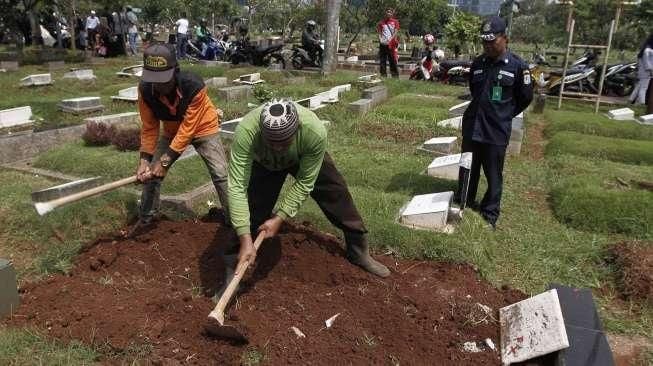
(595, 124)
(620, 150)
(263, 93)
(462, 31)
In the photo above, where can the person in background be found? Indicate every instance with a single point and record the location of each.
(388, 29)
(182, 35)
(501, 87)
(642, 92)
(132, 29)
(92, 23)
(311, 42)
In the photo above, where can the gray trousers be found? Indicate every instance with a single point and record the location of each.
(210, 149)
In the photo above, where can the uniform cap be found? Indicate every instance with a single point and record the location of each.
(279, 120)
(159, 63)
(492, 27)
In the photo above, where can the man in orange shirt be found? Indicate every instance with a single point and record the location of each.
(178, 100)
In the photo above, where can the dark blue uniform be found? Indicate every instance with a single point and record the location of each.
(501, 89)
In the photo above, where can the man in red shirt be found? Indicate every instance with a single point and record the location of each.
(388, 43)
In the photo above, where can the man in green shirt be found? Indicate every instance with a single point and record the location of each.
(275, 140)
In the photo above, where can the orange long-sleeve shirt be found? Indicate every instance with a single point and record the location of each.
(200, 119)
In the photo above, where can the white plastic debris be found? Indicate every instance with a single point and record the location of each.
(490, 344)
(209, 203)
(298, 332)
(329, 322)
(471, 347)
(486, 309)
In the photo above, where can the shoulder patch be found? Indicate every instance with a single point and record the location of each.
(478, 71)
(527, 77)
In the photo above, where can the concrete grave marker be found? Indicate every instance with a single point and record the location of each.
(351, 59)
(531, 328)
(116, 119)
(235, 92)
(36, 80)
(9, 298)
(377, 94)
(440, 145)
(312, 103)
(216, 82)
(16, 119)
(459, 109)
(447, 167)
(9, 65)
(228, 128)
(622, 114)
(455, 122)
(518, 121)
(81, 105)
(80, 74)
(131, 71)
(361, 106)
(329, 96)
(343, 88)
(250, 79)
(427, 211)
(646, 119)
(127, 95)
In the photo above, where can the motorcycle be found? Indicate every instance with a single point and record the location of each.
(300, 58)
(620, 79)
(242, 51)
(214, 49)
(428, 66)
(453, 72)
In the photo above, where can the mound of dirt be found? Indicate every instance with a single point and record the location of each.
(635, 263)
(154, 292)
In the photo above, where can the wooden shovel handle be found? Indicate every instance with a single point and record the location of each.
(91, 192)
(238, 275)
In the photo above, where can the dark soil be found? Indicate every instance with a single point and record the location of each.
(634, 261)
(153, 292)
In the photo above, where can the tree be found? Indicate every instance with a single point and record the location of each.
(461, 32)
(333, 21)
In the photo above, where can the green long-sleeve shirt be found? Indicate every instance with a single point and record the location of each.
(307, 151)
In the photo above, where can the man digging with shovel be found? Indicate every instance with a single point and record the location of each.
(271, 142)
(178, 99)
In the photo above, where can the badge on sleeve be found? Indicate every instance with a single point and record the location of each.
(496, 93)
(527, 77)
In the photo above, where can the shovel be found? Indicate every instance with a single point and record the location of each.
(216, 325)
(48, 199)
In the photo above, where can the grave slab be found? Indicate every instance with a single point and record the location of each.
(9, 298)
(118, 119)
(81, 105)
(343, 88)
(9, 65)
(228, 128)
(447, 167)
(517, 134)
(312, 103)
(131, 71)
(127, 95)
(36, 80)
(80, 74)
(250, 77)
(459, 109)
(531, 328)
(377, 94)
(514, 148)
(329, 96)
(427, 211)
(15, 116)
(235, 92)
(621, 114)
(455, 122)
(440, 145)
(351, 59)
(216, 82)
(361, 106)
(369, 77)
(646, 119)
(518, 121)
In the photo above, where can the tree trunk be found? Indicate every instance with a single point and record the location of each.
(36, 29)
(333, 21)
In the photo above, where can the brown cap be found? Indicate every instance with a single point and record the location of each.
(159, 63)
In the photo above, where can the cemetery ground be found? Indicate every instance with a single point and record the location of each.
(575, 211)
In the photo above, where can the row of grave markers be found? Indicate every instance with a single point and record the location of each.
(627, 114)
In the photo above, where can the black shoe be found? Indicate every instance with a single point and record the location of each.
(141, 226)
(491, 223)
(358, 254)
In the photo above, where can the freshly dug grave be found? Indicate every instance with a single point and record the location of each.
(634, 261)
(153, 293)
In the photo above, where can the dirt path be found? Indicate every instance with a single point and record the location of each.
(535, 138)
(153, 292)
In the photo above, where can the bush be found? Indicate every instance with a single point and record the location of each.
(127, 139)
(98, 134)
(591, 124)
(588, 206)
(622, 150)
(263, 94)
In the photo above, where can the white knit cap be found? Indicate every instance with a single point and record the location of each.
(279, 120)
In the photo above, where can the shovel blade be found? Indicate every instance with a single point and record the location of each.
(224, 331)
(65, 189)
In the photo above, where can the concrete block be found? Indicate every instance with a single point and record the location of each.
(15, 116)
(427, 211)
(56, 65)
(80, 74)
(342, 88)
(235, 92)
(370, 83)
(228, 128)
(81, 105)
(9, 65)
(459, 109)
(275, 67)
(216, 82)
(312, 103)
(531, 328)
(517, 135)
(378, 94)
(455, 122)
(117, 119)
(514, 148)
(646, 119)
(518, 121)
(9, 298)
(36, 80)
(250, 77)
(369, 77)
(447, 167)
(351, 59)
(128, 94)
(621, 114)
(329, 96)
(441, 145)
(361, 106)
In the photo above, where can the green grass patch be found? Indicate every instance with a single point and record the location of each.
(621, 150)
(29, 347)
(595, 124)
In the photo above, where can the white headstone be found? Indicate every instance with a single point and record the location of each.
(351, 59)
(228, 128)
(250, 77)
(82, 104)
(128, 94)
(36, 80)
(458, 109)
(129, 71)
(367, 77)
(440, 144)
(118, 118)
(343, 88)
(532, 328)
(455, 122)
(447, 167)
(329, 96)
(646, 119)
(80, 74)
(312, 103)
(216, 82)
(622, 114)
(427, 211)
(15, 116)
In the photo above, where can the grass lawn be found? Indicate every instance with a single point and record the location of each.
(377, 155)
(614, 149)
(595, 124)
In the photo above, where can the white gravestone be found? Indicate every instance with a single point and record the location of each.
(36, 80)
(443, 145)
(427, 211)
(216, 82)
(250, 79)
(646, 119)
(455, 122)
(447, 167)
(81, 74)
(458, 109)
(622, 114)
(131, 71)
(81, 105)
(15, 117)
(531, 328)
(128, 94)
(228, 128)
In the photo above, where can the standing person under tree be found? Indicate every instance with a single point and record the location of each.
(388, 29)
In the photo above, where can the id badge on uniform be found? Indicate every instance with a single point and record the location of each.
(496, 93)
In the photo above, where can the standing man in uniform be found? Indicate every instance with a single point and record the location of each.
(271, 142)
(388, 43)
(501, 88)
(178, 100)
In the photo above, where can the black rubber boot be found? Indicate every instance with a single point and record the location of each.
(358, 253)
